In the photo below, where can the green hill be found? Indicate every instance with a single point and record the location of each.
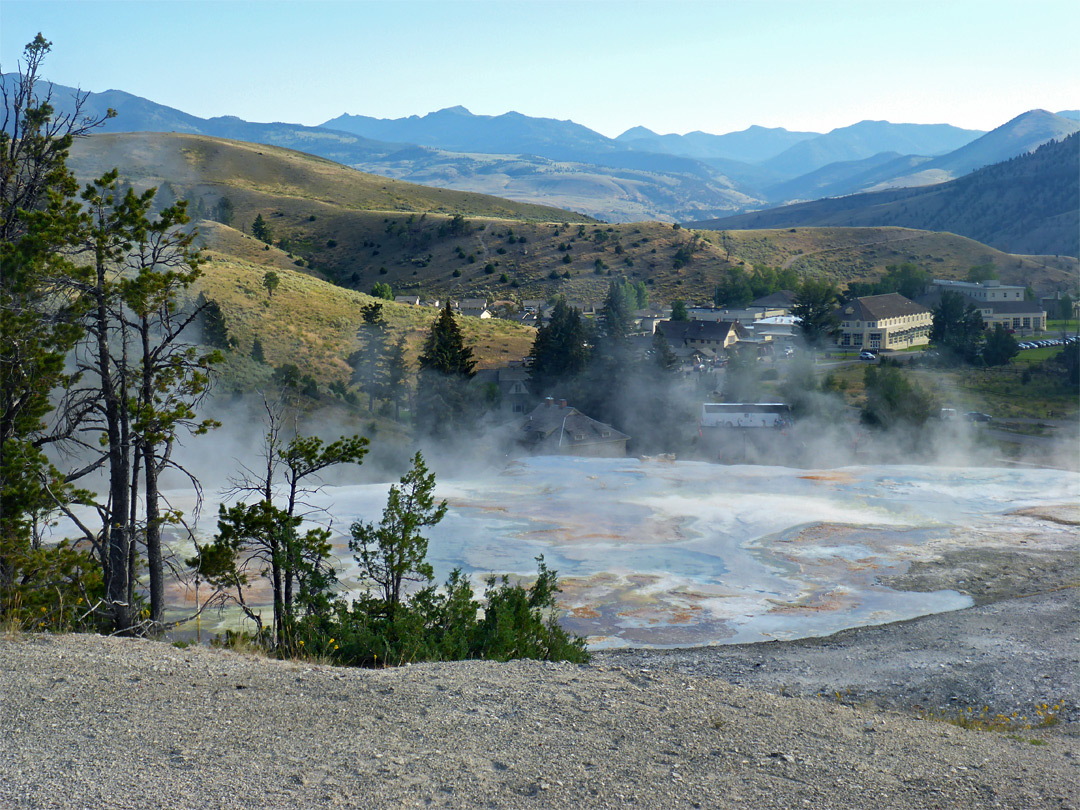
(333, 223)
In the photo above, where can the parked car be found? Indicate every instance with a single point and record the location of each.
(867, 355)
(976, 416)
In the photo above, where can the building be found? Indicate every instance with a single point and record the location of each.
(472, 308)
(1016, 316)
(782, 300)
(553, 428)
(745, 414)
(998, 304)
(714, 335)
(985, 291)
(512, 384)
(411, 300)
(885, 322)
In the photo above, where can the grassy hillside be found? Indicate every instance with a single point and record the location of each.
(201, 166)
(313, 323)
(355, 229)
(854, 253)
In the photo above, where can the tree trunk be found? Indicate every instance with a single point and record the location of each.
(153, 509)
(119, 537)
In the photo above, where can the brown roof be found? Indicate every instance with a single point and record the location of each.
(879, 308)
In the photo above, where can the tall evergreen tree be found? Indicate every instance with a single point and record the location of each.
(617, 312)
(39, 325)
(224, 211)
(661, 354)
(560, 351)
(370, 361)
(446, 366)
(815, 306)
(397, 377)
(261, 230)
(957, 327)
(1000, 347)
(215, 330)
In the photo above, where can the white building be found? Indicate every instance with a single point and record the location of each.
(988, 291)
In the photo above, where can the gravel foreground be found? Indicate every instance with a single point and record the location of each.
(92, 722)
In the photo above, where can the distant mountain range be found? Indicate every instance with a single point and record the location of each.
(637, 176)
(752, 145)
(1028, 205)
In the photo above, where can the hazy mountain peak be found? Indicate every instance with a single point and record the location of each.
(636, 132)
(457, 109)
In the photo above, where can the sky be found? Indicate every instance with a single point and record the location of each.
(672, 66)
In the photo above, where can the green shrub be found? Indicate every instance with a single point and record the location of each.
(386, 626)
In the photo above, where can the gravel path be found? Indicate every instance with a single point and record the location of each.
(102, 723)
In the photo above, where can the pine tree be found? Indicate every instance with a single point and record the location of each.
(370, 361)
(661, 353)
(271, 281)
(617, 310)
(815, 305)
(560, 352)
(224, 211)
(445, 351)
(957, 327)
(215, 331)
(39, 325)
(397, 380)
(446, 366)
(261, 230)
(395, 552)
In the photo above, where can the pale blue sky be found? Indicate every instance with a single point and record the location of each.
(713, 65)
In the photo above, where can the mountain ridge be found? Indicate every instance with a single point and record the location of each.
(1028, 205)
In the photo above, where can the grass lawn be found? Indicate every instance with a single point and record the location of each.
(1000, 392)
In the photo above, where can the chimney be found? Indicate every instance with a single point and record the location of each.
(562, 403)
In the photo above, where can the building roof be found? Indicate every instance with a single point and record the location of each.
(992, 283)
(471, 303)
(678, 332)
(782, 299)
(1013, 307)
(555, 424)
(880, 307)
(1003, 307)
